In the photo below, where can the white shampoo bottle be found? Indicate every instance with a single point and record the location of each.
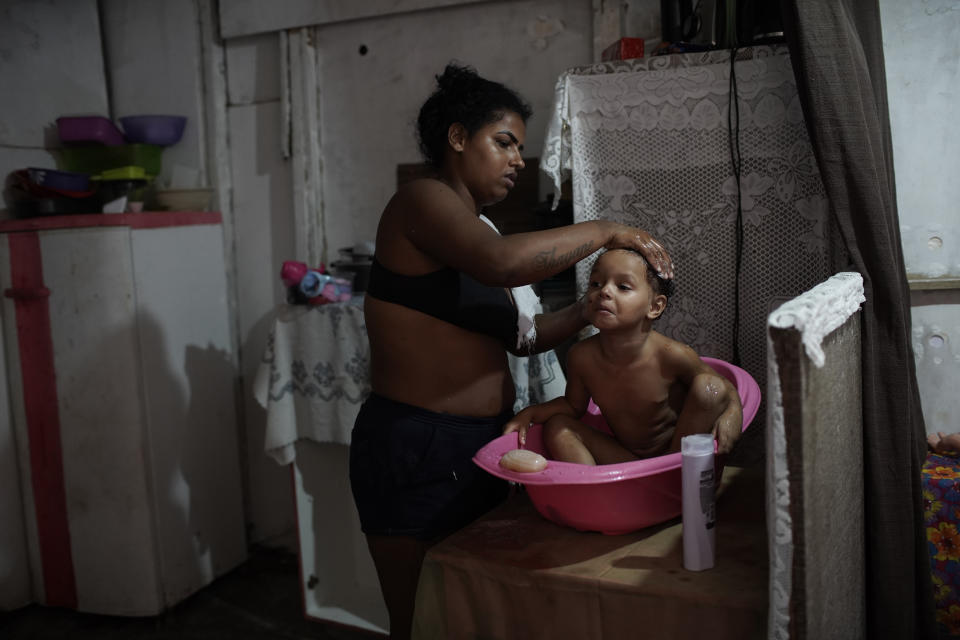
(699, 483)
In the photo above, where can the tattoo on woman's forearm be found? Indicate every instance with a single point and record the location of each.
(549, 260)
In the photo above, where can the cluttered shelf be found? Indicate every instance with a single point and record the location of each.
(101, 169)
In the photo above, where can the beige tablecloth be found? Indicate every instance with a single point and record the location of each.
(512, 574)
(315, 374)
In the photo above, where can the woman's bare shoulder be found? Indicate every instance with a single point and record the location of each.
(402, 214)
(425, 200)
(422, 190)
(427, 215)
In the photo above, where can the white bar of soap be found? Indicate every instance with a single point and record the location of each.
(523, 461)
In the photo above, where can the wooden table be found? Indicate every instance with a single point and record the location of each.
(513, 574)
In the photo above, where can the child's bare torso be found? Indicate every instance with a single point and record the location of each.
(640, 401)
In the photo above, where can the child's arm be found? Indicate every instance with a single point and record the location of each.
(573, 403)
(727, 428)
(537, 413)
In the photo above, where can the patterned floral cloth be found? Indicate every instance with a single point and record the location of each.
(941, 502)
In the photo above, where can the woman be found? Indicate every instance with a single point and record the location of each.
(440, 317)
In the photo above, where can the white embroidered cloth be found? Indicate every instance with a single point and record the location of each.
(315, 374)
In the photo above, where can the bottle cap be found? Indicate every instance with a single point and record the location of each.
(313, 282)
(700, 444)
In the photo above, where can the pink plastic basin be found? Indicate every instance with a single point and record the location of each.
(611, 498)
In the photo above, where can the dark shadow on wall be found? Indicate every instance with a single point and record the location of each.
(194, 460)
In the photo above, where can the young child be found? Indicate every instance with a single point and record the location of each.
(651, 390)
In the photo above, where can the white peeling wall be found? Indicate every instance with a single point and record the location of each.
(50, 66)
(262, 205)
(923, 82)
(936, 346)
(922, 51)
(931, 248)
(370, 101)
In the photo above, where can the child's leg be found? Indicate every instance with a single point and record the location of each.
(569, 440)
(706, 401)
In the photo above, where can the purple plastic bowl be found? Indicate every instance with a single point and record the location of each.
(159, 130)
(62, 180)
(88, 129)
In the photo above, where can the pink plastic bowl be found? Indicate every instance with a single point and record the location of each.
(611, 498)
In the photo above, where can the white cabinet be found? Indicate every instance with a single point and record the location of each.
(121, 393)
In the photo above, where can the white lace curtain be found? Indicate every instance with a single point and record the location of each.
(646, 142)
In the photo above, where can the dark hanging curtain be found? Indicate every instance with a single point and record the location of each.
(837, 54)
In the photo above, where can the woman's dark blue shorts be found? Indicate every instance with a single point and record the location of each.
(412, 473)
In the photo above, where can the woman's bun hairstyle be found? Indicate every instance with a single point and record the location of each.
(462, 96)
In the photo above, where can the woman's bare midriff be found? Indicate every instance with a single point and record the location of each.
(429, 363)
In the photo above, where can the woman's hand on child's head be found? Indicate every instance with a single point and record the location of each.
(625, 237)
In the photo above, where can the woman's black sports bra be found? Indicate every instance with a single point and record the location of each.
(450, 296)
